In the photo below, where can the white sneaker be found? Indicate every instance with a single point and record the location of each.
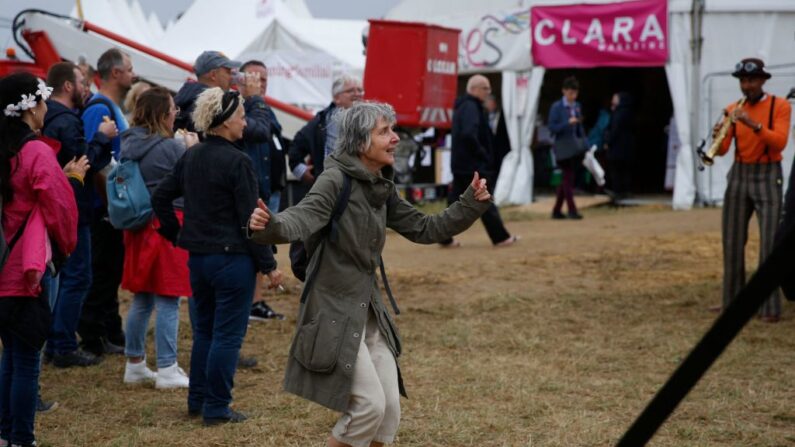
(171, 377)
(138, 373)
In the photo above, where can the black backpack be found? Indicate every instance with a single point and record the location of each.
(299, 258)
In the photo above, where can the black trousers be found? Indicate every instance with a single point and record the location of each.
(491, 218)
(100, 317)
(620, 175)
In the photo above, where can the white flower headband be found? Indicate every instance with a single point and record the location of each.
(28, 100)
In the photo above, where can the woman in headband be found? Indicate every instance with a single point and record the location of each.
(219, 187)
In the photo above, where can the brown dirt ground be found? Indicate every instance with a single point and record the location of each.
(558, 341)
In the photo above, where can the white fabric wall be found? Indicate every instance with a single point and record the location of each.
(520, 93)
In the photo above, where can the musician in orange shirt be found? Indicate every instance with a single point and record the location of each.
(760, 132)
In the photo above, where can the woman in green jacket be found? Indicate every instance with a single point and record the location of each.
(345, 349)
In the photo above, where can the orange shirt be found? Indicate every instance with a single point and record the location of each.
(766, 145)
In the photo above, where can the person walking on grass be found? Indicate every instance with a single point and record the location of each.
(346, 345)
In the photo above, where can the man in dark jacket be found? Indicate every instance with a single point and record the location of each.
(317, 138)
(620, 142)
(257, 141)
(62, 123)
(472, 151)
(213, 69)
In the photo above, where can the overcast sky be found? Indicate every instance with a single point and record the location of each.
(169, 9)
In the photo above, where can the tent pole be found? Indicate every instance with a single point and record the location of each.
(696, 44)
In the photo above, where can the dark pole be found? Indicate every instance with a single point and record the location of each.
(770, 275)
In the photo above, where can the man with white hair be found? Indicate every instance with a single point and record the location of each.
(472, 152)
(317, 138)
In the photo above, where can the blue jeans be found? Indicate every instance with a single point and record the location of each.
(275, 201)
(223, 286)
(19, 386)
(74, 281)
(166, 327)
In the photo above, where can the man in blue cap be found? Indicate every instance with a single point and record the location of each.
(213, 69)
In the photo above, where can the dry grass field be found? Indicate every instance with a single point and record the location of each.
(558, 341)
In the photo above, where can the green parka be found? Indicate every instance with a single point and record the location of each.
(331, 321)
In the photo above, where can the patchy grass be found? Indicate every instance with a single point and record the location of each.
(560, 341)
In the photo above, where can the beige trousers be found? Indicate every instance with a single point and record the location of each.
(373, 412)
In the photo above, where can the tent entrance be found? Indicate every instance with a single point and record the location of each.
(652, 110)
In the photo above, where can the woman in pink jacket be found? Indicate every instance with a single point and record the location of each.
(39, 218)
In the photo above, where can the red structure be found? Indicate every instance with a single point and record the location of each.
(414, 67)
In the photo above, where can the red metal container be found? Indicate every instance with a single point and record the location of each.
(414, 67)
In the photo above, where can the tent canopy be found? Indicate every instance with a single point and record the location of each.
(496, 37)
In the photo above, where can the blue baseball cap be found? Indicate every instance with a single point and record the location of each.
(210, 60)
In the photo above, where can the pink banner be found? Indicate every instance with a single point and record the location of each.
(625, 34)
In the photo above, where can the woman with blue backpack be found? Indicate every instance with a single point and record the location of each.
(154, 269)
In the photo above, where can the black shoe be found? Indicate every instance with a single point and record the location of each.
(558, 215)
(94, 347)
(575, 216)
(109, 347)
(43, 406)
(262, 312)
(194, 413)
(234, 417)
(247, 362)
(77, 357)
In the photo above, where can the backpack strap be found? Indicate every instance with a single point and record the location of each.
(331, 232)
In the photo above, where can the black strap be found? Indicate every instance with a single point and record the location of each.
(19, 232)
(331, 232)
(770, 125)
(100, 100)
(387, 288)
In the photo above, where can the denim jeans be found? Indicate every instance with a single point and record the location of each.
(19, 385)
(166, 327)
(223, 286)
(275, 201)
(74, 281)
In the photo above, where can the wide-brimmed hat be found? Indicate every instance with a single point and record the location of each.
(751, 67)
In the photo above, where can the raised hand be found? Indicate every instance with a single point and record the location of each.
(259, 217)
(479, 185)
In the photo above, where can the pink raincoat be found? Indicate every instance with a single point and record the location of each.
(42, 192)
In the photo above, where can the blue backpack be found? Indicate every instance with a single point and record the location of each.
(129, 203)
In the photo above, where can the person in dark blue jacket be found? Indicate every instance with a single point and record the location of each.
(565, 121)
(213, 69)
(620, 145)
(472, 152)
(63, 124)
(257, 141)
(219, 188)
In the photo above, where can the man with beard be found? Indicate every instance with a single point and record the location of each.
(100, 324)
(760, 130)
(63, 124)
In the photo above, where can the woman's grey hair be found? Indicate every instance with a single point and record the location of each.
(356, 123)
(339, 83)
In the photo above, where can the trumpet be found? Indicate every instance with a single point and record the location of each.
(708, 158)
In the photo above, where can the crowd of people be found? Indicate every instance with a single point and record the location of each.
(213, 163)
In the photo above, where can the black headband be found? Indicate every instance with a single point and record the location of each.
(229, 104)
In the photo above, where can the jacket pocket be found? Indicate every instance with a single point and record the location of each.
(318, 342)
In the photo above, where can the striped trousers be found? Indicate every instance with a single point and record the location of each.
(752, 188)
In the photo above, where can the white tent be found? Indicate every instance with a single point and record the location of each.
(124, 18)
(302, 53)
(496, 37)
